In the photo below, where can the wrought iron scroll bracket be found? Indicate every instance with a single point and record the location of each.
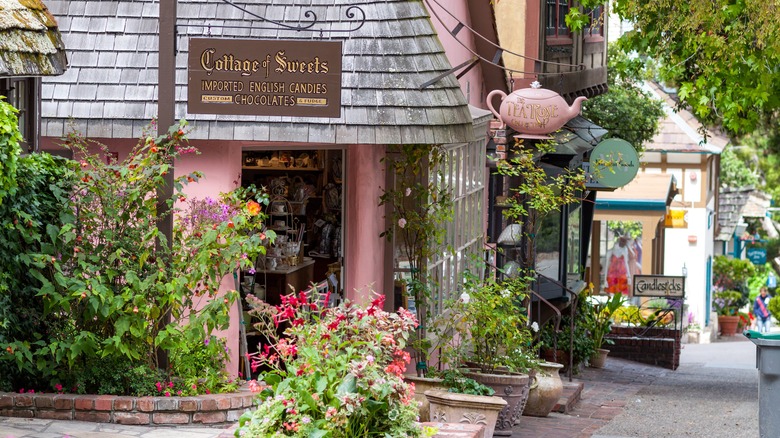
(355, 17)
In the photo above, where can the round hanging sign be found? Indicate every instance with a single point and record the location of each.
(614, 162)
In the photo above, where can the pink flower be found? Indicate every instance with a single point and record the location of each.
(401, 222)
(167, 394)
(408, 191)
(254, 386)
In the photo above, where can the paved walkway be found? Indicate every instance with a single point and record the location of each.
(33, 427)
(714, 393)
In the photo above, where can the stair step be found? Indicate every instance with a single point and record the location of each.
(572, 393)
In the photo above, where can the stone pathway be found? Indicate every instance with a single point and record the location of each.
(628, 399)
(37, 428)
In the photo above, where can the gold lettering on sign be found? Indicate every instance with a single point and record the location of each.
(216, 99)
(228, 63)
(297, 66)
(311, 101)
(531, 114)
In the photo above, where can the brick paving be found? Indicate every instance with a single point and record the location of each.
(605, 394)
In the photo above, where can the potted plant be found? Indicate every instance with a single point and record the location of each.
(464, 401)
(726, 304)
(573, 332)
(486, 331)
(600, 324)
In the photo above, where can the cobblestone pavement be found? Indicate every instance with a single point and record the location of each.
(713, 394)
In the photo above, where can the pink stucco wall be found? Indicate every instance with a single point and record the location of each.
(364, 251)
(472, 83)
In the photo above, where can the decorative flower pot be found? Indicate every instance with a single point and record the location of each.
(545, 394)
(599, 358)
(728, 325)
(421, 385)
(512, 387)
(450, 407)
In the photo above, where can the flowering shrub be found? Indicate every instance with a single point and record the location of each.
(727, 302)
(334, 372)
(114, 289)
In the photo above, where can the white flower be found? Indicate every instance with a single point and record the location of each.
(402, 222)
(505, 293)
(465, 297)
(535, 327)
(408, 191)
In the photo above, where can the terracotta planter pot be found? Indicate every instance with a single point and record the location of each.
(543, 396)
(450, 407)
(514, 389)
(421, 385)
(728, 325)
(599, 358)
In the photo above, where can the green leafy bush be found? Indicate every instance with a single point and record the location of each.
(112, 293)
(774, 308)
(37, 202)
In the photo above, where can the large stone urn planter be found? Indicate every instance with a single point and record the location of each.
(599, 358)
(451, 407)
(421, 385)
(512, 387)
(546, 391)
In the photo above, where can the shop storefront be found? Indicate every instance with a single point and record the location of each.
(308, 110)
(628, 232)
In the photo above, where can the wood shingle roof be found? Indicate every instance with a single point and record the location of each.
(111, 88)
(30, 43)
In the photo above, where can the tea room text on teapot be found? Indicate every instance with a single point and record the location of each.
(534, 111)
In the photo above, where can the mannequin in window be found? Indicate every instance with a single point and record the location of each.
(618, 268)
(634, 258)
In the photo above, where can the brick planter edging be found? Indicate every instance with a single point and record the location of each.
(658, 346)
(213, 409)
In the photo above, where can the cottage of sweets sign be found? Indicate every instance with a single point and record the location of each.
(666, 286)
(264, 77)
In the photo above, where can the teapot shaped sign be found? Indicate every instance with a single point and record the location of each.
(534, 112)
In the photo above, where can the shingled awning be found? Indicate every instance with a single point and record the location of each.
(110, 90)
(30, 42)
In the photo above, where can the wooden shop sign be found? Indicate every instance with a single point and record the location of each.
(264, 77)
(659, 286)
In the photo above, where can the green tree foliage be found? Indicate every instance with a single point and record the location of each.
(734, 171)
(627, 111)
(721, 54)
